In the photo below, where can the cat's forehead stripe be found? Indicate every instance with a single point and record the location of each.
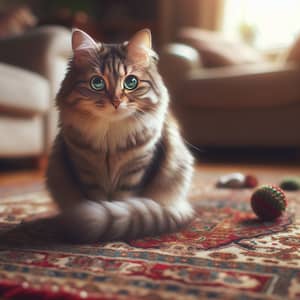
(111, 59)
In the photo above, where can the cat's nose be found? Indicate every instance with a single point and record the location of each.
(115, 103)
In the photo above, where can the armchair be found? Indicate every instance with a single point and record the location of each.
(32, 66)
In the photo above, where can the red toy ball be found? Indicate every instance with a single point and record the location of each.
(250, 181)
(268, 202)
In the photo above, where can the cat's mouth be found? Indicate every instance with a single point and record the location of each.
(116, 103)
(114, 112)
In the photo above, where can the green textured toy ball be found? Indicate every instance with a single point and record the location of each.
(268, 202)
(290, 184)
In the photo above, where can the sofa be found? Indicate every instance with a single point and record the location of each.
(253, 104)
(32, 66)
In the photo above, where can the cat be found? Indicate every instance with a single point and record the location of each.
(119, 168)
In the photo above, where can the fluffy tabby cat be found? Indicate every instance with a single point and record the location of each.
(119, 168)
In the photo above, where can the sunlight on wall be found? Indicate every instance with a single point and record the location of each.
(265, 24)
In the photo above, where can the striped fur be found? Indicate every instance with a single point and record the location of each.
(117, 172)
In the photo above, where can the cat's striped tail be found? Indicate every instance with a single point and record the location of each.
(122, 220)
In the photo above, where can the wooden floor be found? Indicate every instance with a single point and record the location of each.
(264, 166)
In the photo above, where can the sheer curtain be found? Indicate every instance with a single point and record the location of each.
(265, 24)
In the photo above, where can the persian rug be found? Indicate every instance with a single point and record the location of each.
(226, 253)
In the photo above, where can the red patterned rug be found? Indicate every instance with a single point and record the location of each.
(225, 254)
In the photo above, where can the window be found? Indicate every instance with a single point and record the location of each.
(265, 24)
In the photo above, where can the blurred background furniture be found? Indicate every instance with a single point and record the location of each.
(229, 97)
(226, 91)
(32, 66)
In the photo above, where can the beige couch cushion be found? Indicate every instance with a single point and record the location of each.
(21, 136)
(22, 91)
(261, 86)
(216, 51)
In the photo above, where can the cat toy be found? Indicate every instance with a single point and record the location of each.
(268, 202)
(237, 180)
(290, 184)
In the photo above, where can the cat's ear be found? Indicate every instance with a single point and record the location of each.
(142, 39)
(139, 47)
(83, 46)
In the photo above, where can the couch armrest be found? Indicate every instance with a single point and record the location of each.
(176, 61)
(36, 49)
(248, 86)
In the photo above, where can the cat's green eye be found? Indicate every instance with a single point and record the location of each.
(97, 83)
(130, 82)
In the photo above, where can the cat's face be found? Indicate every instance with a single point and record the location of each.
(112, 82)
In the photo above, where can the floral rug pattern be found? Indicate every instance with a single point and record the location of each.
(226, 253)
